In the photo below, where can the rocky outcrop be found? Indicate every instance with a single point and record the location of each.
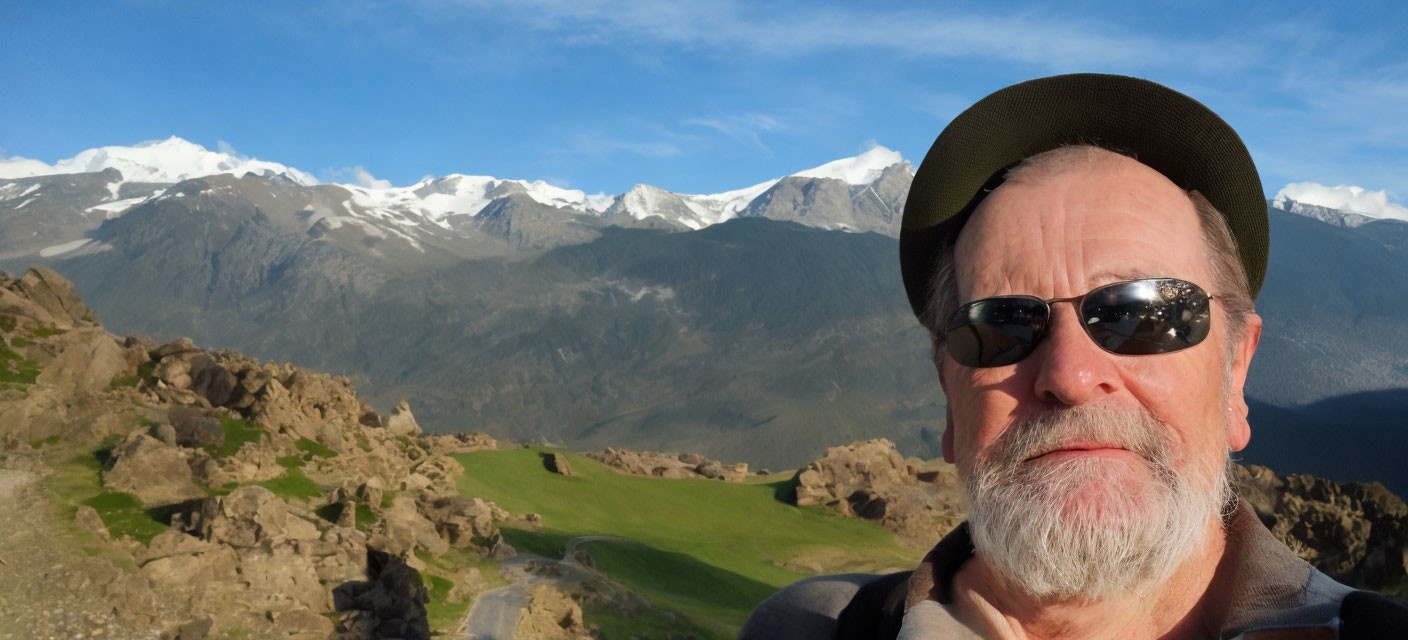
(56, 295)
(550, 615)
(557, 463)
(919, 501)
(460, 443)
(1357, 532)
(321, 551)
(669, 465)
(157, 473)
(401, 422)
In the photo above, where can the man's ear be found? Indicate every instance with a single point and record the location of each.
(1239, 431)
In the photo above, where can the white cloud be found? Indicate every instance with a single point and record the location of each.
(745, 128)
(1051, 41)
(1344, 197)
(366, 179)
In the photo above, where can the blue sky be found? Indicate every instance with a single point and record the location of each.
(691, 96)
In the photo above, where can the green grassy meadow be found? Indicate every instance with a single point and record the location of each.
(705, 549)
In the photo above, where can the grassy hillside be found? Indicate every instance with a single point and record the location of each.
(706, 549)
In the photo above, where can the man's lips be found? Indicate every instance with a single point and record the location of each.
(1080, 450)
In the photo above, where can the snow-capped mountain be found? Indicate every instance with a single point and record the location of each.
(163, 161)
(72, 197)
(1343, 205)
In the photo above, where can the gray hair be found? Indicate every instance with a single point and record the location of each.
(1229, 278)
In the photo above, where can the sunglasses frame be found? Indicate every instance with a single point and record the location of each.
(1079, 302)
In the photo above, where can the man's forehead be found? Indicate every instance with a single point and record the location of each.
(1077, 225)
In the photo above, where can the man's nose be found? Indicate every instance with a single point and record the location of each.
(1072, 369)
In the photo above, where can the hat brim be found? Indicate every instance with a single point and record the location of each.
(1161, 128)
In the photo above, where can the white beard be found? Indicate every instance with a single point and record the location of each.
(1088, 528)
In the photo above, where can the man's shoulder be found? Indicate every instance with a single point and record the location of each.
(805, 610)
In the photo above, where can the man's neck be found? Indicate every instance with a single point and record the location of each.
(1166, 611)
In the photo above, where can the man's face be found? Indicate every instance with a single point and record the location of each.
(1061, 233)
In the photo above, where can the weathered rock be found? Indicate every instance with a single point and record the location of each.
(89, 361)
(193, 428)
(175, 347)
(402, 529)
(871, 480)
(211, 381)
(401, 422)
(459, 520)
(56, 295)
(155, 472)
(16, 305)
(461, 443)
(1357, 533)
(557, 463)
(249, 516)
(669, 465)
(500, 549)
(139, 340)
(550, 615)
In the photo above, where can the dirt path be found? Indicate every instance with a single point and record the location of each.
(494, 614)
(49, 588)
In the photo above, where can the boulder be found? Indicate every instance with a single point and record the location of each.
(247, 517)
(16, 305)
(459, 520)
(193, 428)
(557, 463)
(401, 422)
(211, 381)
(870, 479)
(1357, 532)
(56, 295)
(157, 473)
(550, 615)
(175, 347)
(89, 361)
(402, 529)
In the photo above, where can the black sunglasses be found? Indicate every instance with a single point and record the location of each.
(1130, 318)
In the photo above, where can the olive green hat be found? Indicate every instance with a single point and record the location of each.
(1162, 128)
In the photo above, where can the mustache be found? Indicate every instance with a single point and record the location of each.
(1032, 435)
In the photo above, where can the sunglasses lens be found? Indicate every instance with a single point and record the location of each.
(994, 332)
(1145, 317)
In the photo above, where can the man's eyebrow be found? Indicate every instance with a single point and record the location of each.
(1110, 275)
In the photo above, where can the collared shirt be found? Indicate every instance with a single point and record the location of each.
(1262, 586)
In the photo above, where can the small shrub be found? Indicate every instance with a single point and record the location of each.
(39, 444)
(45, 332)
(19, 342)
(314, 448)
(147, 371)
